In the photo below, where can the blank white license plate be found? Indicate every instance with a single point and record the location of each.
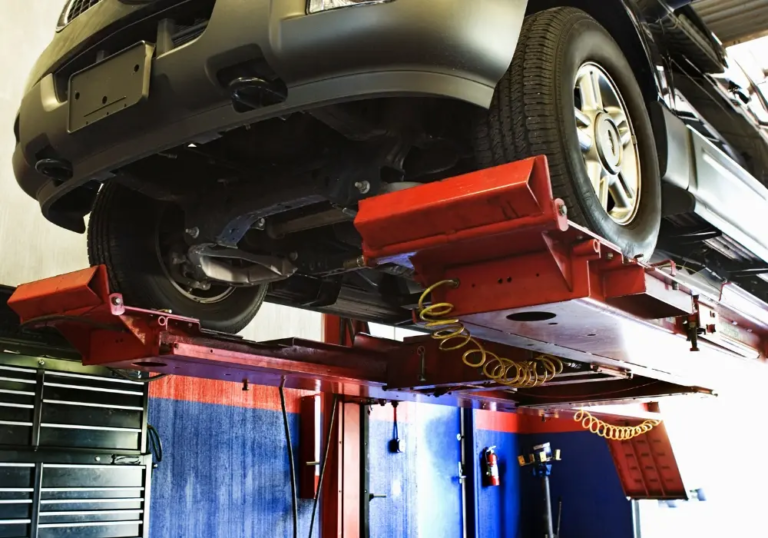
(110, 86)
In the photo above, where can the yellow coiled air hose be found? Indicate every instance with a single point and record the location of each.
(610, 432)
(453, 335)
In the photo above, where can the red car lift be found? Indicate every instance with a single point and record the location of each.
(529, 282)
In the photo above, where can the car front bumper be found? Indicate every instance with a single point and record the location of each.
(446, 48)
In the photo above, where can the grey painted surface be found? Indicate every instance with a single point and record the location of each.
(30, 247)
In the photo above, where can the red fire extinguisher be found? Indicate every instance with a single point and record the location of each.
(491, 461)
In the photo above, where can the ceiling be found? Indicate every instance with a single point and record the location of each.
(734, 21)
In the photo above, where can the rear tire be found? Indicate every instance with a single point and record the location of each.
(123, 234)
(532, 113)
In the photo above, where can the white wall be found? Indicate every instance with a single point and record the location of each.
(30, 247)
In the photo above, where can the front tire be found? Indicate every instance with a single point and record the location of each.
(128, 232)
(534, 112)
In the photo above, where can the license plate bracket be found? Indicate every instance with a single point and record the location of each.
(110, 86)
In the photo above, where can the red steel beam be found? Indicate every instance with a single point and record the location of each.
(331, 507)
(351, 479)
(310, 443)
(113, 334)
(341, 501)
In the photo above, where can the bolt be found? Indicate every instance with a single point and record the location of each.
(355, 263)
(117, 300)
(363, 186)
(609, 256)
(97, 458)
(40, 362)
(562, 210)
(293, 256)
(193, 232)
(260, 223)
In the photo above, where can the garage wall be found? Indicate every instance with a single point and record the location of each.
(225, 468)
(594, 505)
(498, 508)
(421, 484)
(424, 495)
(30, 247)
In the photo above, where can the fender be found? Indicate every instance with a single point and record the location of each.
(627, 22)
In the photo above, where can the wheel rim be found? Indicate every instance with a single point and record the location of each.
(608, 143)
(168, 239)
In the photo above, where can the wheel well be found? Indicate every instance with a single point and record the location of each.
(616, 18)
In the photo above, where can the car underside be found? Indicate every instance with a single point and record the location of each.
(298, 216)
(295, 202)
(227, 212)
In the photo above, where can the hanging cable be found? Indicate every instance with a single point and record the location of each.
(453, 335)
(294, 500)
(325, 462)
(611, 432)
(155, 445)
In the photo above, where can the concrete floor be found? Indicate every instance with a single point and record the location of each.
(30, 247)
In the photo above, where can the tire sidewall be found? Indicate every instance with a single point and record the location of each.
(587, 41)
(123, 235)
(231, 314)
